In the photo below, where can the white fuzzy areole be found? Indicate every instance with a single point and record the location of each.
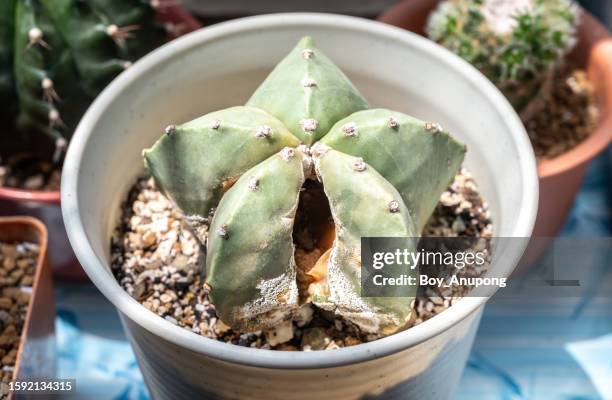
(500, 14)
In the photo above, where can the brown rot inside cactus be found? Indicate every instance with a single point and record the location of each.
(282, 190)
(313, 235)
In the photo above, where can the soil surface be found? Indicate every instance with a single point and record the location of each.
(155, 258)
(17, 269)
(30, 175)
(569, 114)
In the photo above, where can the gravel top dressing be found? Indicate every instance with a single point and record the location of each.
(17, 269)
(155, 258)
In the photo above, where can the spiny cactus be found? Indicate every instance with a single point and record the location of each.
(57, 55)
(286, 206)
(515, 43)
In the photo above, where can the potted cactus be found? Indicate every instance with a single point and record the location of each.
(305, 131)
(55, 57)
(516, 44)
(530, 50)
(286, 176)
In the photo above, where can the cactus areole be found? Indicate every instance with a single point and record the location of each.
(282, 190)
(57, 55)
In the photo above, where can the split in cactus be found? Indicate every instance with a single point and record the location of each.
(515, 43)
(57, 55)
(282, 190)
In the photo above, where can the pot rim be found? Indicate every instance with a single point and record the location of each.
(38, 196)
(598, 62)
(100, 274)
(584, 152)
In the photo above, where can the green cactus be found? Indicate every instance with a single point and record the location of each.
(405, 151)
(251, 237)
(515, 43)
(363, 203)
(7, 10)
(195, 163)
(308, 93)
(57, 55)
(289, 208)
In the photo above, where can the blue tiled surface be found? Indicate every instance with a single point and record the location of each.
(525, 348)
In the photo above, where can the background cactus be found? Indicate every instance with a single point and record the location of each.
(57, 55)
(515, 43)
(288, 216)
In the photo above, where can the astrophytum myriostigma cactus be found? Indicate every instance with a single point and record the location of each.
(57, 55)
(282, 190)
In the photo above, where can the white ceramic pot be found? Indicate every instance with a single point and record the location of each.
(219, 67)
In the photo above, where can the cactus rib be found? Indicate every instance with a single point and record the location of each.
(308, 94)
(251, 238)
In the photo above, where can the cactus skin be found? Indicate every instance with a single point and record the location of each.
(94, 51)
(251, 238)
(125, 14)
(204, 158)
(419, 162)
(7, 87)
(304, 87)
(251, 268)
(515, 43)
(360, 205)
(37, 63)
(57, 55)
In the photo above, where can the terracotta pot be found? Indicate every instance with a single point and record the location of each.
(560, 177)
(46, 205)
(36, 356)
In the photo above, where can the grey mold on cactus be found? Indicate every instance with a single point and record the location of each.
(363, 203)
(515, 43)
(290, 183)
(251, 238)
